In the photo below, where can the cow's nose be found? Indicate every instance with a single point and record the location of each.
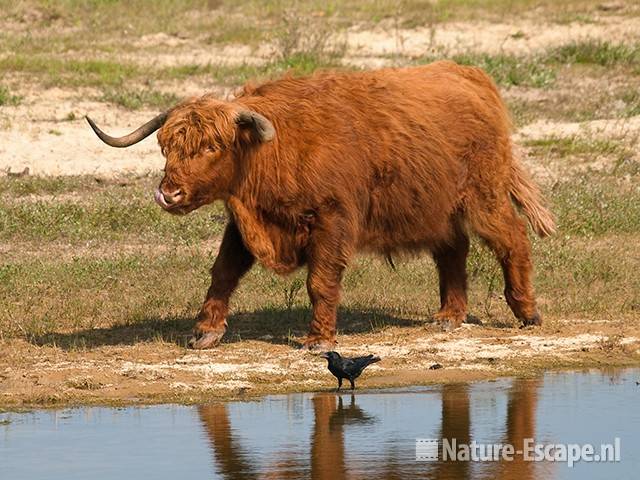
(168, 198)
(172, 197)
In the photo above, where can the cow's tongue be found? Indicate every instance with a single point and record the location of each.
(159, 198)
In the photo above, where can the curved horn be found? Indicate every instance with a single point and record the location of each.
(263, 127)
(134, 137)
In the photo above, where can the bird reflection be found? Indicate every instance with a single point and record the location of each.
(352, 414)
(327, 442)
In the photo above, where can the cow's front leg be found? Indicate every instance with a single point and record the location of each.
(254, 234)
(328, 254)
(233, 261)
(259, 241)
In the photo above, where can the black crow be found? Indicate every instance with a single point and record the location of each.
(349, 368)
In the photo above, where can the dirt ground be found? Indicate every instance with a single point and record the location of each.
(45, 133)
(154, 372)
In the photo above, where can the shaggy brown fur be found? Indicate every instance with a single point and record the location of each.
(387, 161)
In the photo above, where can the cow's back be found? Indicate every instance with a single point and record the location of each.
(395, 146)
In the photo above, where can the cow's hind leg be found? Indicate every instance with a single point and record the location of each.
(505, 233)
(451, 261)
(233, 261)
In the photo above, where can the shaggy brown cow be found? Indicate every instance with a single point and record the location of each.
(314, 169)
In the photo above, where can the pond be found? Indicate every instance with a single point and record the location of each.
(371, 434)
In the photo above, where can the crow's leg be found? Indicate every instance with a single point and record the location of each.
(329, 250)
(233, 261)
(339, 384)
(353, 385)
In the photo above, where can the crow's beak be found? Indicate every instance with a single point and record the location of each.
(324, 355)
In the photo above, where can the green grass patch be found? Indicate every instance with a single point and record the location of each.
(297, 64)
(77, 210)
(541, 70)
(110, 218)
(226, 30)
(631, 100)
(597, 52)
(85, 293)
(70, 72)
(7, 98)
(510, 70)
(228, 75)
(10, 188)
(594, 205)
(301, 63)
(134, 99)
(579, 146)
(587, 278)
(186, 71)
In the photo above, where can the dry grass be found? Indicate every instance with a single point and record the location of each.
(59, 44)
(102, 260)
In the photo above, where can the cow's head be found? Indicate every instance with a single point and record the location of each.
(200, 140)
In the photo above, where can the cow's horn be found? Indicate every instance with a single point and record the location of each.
(263, 127)
(134, 137)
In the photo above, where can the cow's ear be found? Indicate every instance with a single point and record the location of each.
(261, 127)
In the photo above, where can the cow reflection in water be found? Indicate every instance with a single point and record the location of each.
(520, 424)
(327, 444)
(332, 418)
(456, 423)
(232, 461)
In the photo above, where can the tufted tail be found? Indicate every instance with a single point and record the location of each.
(527, 196)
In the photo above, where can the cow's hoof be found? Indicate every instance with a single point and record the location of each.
(204, 340)
(448, 321)
(534, 320)
(448, 325)
(318, 345)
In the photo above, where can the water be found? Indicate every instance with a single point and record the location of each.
(323, 435)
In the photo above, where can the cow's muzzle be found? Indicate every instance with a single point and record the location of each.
(168, 201)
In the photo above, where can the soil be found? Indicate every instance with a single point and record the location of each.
(154, 372)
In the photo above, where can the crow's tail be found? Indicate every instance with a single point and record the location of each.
(373, 359)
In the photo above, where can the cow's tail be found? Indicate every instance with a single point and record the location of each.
(527, 196)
